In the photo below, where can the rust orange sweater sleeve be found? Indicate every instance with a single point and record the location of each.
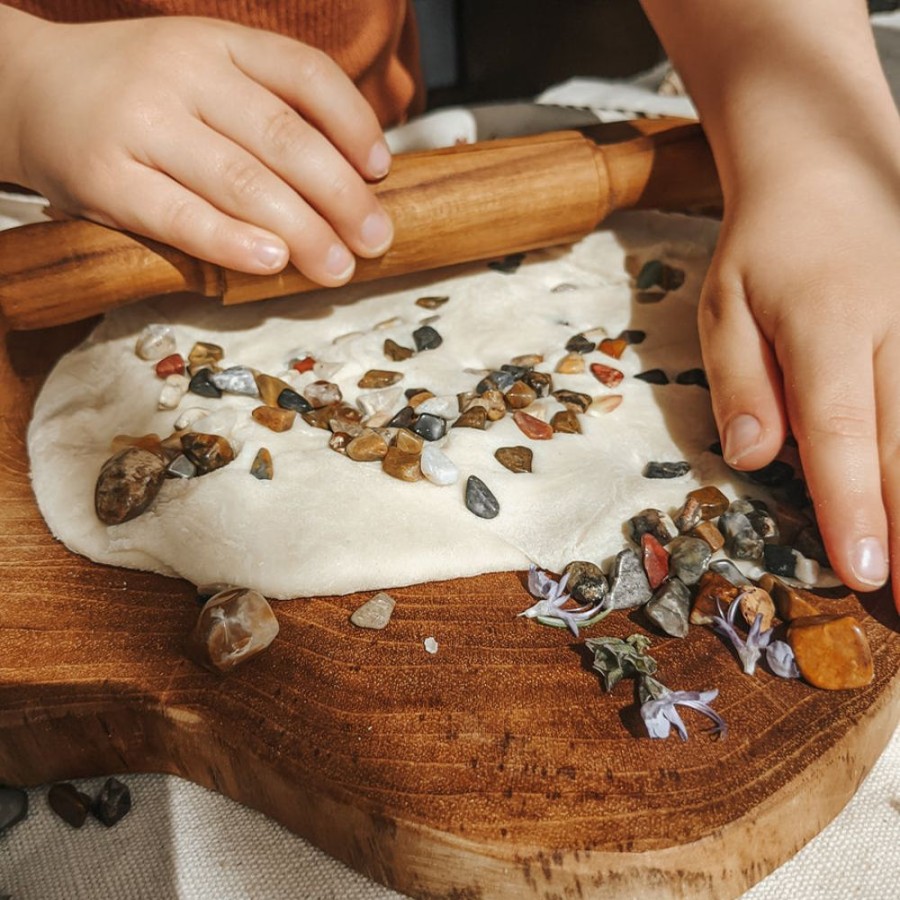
(374, 41)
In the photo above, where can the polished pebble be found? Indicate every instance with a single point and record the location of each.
(831, 652)
(322, 393)
(480, 500)
(262, 467)
(379, 378)
(375, 613)
(290, 399)
(655, 522)
(13, 807)
(204, 354)
(170, 365)
(573, 400)
(368, 446)
(401, 465)
(201, 384)
(666, 469)
(426, 338)
(408, 441)
(236, 380)
(578, 343)
(565, 422)
(207, 451)
(714, 595)
(613, 347)
(754, 601)
(602, 406)
(70, 804)
(669, 608)
(656, 560)
(128, 483)
(113, 802)
(155, 342)
(542, 382)
(516, 459)
(653, 376)
(437, 467)
(708, 532)
(172, 392)
(520, 395)
(396, 352)
(474, 417)
(532, 427)
(606, 375)
(431, 302)
(741, 539)
(447, 407)
(274, 418)
(629, 586)
(587, 583)
(431, 428)
(688, 558)
(571, 364)
(181, 467)
(693, 376)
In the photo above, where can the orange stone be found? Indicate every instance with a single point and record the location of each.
(520, 395)
(303, 365)
(270, 388)
(571, 364)
(789, 603)
(532, 427)
(275, 419)
(708, 532)
(565, 422)
(170, 365)
(714, 591)
(613, 347)
(606, 375)
(831, 652)
(656, 560)
(404, 466)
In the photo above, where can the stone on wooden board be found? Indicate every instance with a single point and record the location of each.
(628, 581)
(375, 613)
(714, 595)
(831, 651)
(669, 607)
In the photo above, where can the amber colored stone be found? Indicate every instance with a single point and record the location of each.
(431, 302)
(606, 375)
(756, 601)
(831, 652)
(204, 355)
(532, 427)
(565, 422)
(368, 446)
(714, 592)
(613, 347)
(542, 382)
(396, 352)
(708, 532)
(276, 419)
(170, 365)
(600, 406)
(418, 398)
(261, 467)
(474, 417)
(527, 359)
(571, 364)
(656, 560)
(399, 464)
(520, 395)
(321, 417)
(408, 442)
(207, 452)
(379, 378)
(270, 388)
(789, 603)
(573, 400)
(494, 403)
(233, 626)
(342, 421)
(303, 365)
(127, 484)
(516, 459)
(712, 501)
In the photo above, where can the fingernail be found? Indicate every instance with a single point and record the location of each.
(742, 435)
(377, 232)
(869, 562)
(340, 262)
(271, 254)
(379, 160)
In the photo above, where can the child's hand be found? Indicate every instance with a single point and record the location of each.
(800, 321)
(238, 146)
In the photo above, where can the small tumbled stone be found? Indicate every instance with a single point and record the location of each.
(202, 384)
(401, 465)
(807, 570)
(655, 469)
(565, 422)
(655, 522)
(754, 601)
(669, 608)
(274, 418)
(527, 360)
(741, 539)
(113, 802)
(495, 381)
(656, 560)
(628, 582)
(181, 467)
(688, 558)
(321, 394)
(578, 343)
(494, 403)
(729, 571)
(714, 595)
(155, 342)
(437, 467)
(446, 407)
(480, 500)
(290, 399)
(689, 515)
(601, 406)
(650, 275)
(173, 364)
(375, 613)
(189, 416)
(128, 483)
(346, 418)
(517, 372)
(367, 446)
(261, 467)
(633, 336)
(708, 532)
(339, 441)
(70, 804)
(587, 583)
(831, 652)
(653, 376)
(573, 400)
(431, 302)
(780, 560)
(204, 354)
(516, 459)
(404, 418)
(520, 395)
(431, 428)
(396, 352)
(474, 417)
(606, 375)
(532, 427)
(430, 645)
(571, 364)
(236, 380)
(693, 376)
(13, 807)
(379, 378)
(765, 525)
(790, 603)
(416, 397)
(426, 338)
(613, 347)
(173, 391)
(542, 382)
(304, 364)
(508, 265)
(208, 452)
(712, 502)
(321, 417)
(408, 441)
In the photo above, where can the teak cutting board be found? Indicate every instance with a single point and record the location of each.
(496, 768)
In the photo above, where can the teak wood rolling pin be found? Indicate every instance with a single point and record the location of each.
(448, 206)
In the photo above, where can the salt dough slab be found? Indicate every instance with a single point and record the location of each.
(327, 525)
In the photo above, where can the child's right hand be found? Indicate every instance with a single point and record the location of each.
(237, 146)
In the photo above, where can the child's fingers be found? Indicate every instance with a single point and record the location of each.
(743, 377)
(830, 397)
(887, 377)
(315, 86)
(304, 159)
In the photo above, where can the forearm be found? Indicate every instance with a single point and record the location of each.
(770, 76)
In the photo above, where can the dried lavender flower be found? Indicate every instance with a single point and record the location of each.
(616, 659)
(750, 650)
(661, 714)
(780, 658)
(552, 598)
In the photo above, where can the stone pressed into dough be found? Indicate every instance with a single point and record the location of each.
(327, 525)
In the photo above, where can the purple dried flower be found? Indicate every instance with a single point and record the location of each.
(551, 599)
(660, 715)
(750, 650)
(780, 658)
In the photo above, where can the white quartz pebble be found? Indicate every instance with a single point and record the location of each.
(173, 390)
(155, 342)
(447, 407)
(374, 613)
(437, 467)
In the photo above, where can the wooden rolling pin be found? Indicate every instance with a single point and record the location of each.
(448, 206)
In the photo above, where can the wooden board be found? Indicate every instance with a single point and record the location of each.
(496, 768)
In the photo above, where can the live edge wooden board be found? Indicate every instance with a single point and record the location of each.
(496, 768)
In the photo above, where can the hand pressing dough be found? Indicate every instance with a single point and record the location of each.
(328, 525)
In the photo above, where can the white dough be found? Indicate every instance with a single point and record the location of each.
(327, 525)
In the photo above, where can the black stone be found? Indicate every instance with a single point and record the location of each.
(633, 336)
(496, 381)
(13, 807)
(404, 418)
(653, 376)
(290, 399)
(586, 583)
(776, 474)
(427, 338)
(540, 382)
(655, 522)
(431, 428)
(201, 385)
(666, 469)
(508, 264)
(480, 500)
(650, 275)
(113, 802)
(692, 376)
(70, 804)
(518, 372)
(780, 560)
(716, 447)
(578, 343)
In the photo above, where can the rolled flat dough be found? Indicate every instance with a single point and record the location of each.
(327, 525)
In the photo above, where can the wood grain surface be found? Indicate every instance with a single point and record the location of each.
(496, 768)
